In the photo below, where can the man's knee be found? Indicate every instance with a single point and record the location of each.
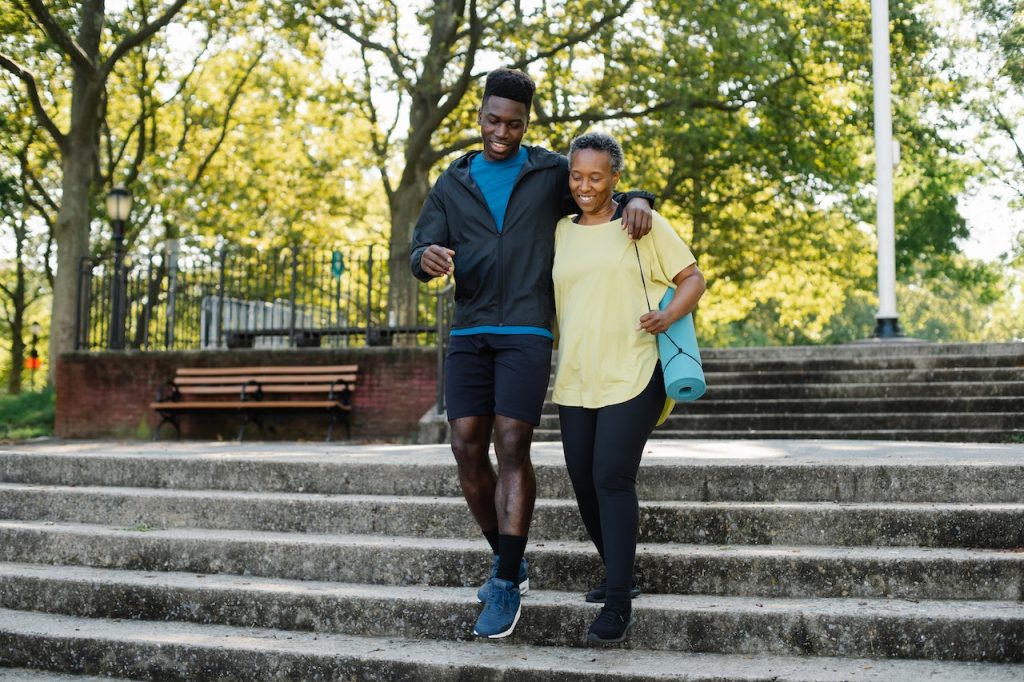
(512, 439)
(471, 460)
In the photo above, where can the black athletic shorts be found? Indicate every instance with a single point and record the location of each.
(489, 374)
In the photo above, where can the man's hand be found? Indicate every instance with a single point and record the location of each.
(636, 217)
(655, 322)
(437, 261)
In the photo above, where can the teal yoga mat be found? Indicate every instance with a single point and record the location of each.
(680, 357)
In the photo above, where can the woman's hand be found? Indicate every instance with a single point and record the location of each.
(655, 322)
(689, 288)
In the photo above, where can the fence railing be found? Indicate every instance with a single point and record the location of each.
(236, 297)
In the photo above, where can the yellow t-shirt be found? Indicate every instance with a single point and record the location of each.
(602, 358)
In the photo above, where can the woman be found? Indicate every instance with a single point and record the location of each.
(608, 381)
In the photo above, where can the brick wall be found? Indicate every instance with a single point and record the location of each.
(103, 395)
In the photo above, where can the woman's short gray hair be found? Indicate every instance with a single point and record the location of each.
(601, 142)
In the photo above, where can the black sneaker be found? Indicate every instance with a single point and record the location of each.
(611, 625)
(597, 593)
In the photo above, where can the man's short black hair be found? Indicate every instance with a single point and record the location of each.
(510, 84)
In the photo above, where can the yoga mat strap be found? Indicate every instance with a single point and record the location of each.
(684, 380)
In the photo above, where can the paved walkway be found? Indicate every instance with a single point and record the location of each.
(774, 452)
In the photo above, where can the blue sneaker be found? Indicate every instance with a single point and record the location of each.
(501, 612)
(524, 580)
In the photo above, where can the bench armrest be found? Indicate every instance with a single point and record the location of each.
(168, 392)
(345, 396)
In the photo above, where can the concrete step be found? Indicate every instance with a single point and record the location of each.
(927, 389)
(28, 675)
(867, 376)
(862, 350)
(793, 406)
(883, 628)
(737, 570)
(859, 363)
(708, 470)
(928, 435)
(804, 406)
(683, 421)
(997, 526)
(188, 651)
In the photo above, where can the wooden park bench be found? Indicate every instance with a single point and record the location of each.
(252, 392)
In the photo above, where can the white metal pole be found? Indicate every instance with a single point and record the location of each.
(887, 320)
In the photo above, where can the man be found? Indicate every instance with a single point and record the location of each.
(490, 219)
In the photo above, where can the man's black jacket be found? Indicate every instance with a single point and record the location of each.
(501, 278)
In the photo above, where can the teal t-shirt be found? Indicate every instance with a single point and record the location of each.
(496, 180)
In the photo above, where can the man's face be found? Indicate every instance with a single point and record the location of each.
(502, 125)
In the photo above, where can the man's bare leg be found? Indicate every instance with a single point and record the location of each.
(517, 484)
(516, 493)
(471, 439)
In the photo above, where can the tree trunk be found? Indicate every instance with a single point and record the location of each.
(17, 330)
(406, 203)
(72, 228)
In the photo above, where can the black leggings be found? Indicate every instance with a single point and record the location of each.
(603, 448)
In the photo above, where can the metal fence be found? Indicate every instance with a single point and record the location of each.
(237, 297)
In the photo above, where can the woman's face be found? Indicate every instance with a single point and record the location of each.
(591, 180)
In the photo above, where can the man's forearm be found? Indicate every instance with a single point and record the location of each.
(624, 198)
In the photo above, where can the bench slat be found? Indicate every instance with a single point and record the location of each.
(249, 405)
(267, 379)
(235, 389)
(293, 404)
(233, 371)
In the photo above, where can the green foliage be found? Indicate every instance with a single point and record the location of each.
(947, 308)
(27, 415)
(1008, 18)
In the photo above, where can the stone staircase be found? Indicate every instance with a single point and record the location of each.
(759, 560)
(893, 391)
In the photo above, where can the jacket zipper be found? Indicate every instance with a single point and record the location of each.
(501, 257)
(501, 279)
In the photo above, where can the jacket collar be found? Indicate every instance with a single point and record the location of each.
(536, 157)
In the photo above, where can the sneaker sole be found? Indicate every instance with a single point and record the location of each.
(506, 633)
(524, 587)
(591, 637)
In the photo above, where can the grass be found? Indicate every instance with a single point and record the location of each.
(28, 415)
(141, 527)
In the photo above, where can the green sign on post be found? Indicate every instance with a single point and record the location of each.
(337, 264)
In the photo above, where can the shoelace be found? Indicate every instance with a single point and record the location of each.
(503, 596)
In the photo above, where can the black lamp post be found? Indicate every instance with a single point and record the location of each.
(119, 205)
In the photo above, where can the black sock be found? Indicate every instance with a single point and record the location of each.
(510, 552)
(492, 539)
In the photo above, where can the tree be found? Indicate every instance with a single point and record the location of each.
(999, 45)
(21, 284)
(432, 84)
(78, 38)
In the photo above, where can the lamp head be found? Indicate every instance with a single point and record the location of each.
(119, 203)
(36, 329)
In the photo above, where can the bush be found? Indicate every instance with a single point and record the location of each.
(27, 415)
